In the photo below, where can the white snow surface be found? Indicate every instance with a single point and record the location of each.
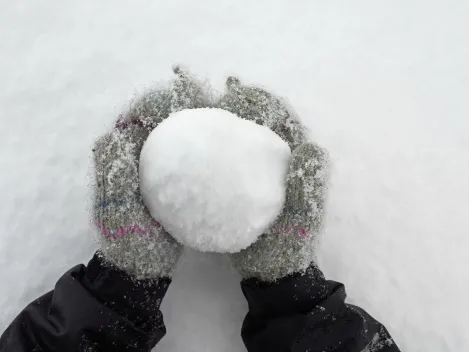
(383, 85)
(215, 181)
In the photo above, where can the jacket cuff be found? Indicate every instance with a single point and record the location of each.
(136, 300)
(295, 293)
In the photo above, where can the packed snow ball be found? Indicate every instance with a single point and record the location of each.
(213, 180)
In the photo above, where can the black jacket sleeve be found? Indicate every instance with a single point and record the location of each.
(307, 313)
(94, 308)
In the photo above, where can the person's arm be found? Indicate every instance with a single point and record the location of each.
(307, 313)
(93, 308)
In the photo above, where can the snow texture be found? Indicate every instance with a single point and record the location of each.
(213, 180)
(383, 85)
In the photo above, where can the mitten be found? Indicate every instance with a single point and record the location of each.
(128, 236)
(289, 245)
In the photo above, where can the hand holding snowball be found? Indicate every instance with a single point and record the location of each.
(289, 245)
(254, 186)
(129, 237)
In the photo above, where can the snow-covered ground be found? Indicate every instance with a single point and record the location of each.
(382, 84)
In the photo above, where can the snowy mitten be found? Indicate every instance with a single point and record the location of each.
(289, 245)
(129, 237)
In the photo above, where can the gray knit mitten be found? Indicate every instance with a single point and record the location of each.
(289, 246)
(129, 237)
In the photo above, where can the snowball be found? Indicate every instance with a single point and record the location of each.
(214, 181)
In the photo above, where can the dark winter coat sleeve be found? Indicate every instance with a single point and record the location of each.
(307, 313)
(95, 308)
